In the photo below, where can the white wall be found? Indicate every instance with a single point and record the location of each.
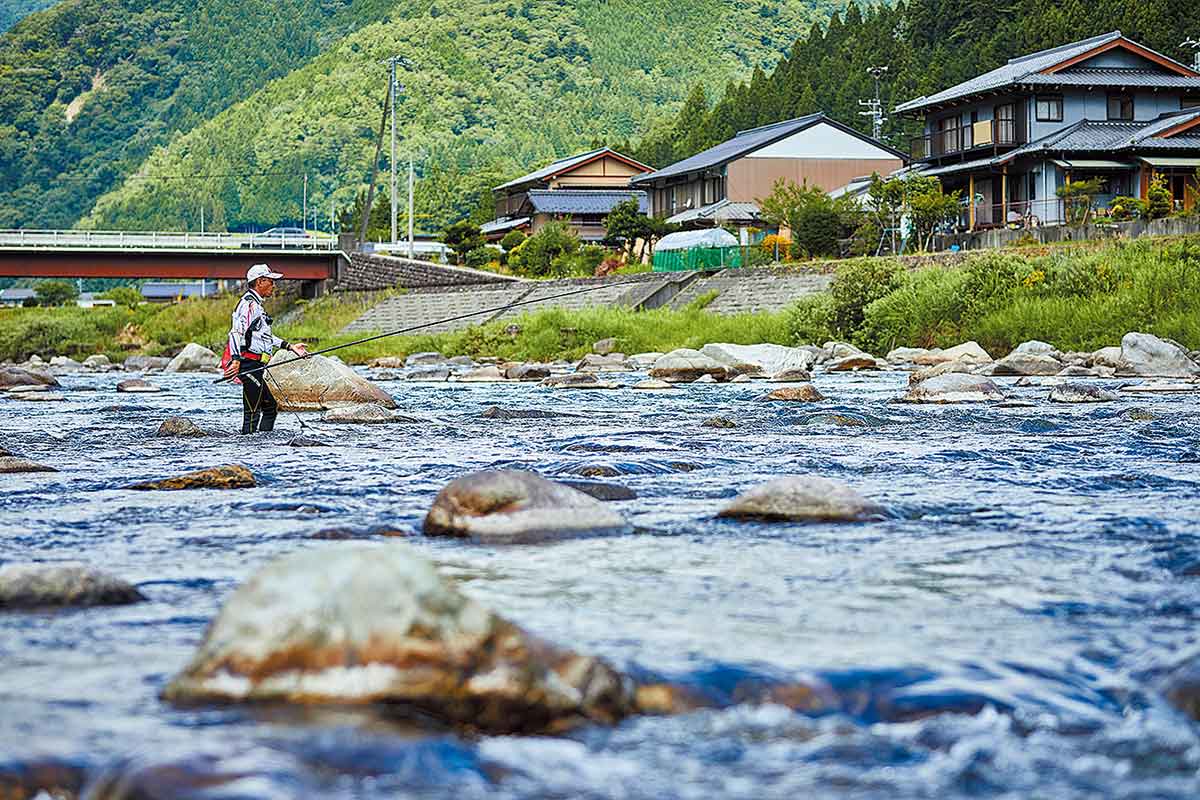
(821, 141)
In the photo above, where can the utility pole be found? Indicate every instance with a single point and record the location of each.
(875, 106)
(394, 88)
(1194, 44)
(410, 206)
(202, 218)
(304, 207)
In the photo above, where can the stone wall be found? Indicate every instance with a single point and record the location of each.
(1050, 234)
(369, 272)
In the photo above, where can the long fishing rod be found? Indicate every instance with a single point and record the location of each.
(410, 329)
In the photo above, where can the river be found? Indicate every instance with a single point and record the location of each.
(1003, 633)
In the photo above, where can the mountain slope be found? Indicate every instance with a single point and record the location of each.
(498, 86)
(89, 88)
(13, 10)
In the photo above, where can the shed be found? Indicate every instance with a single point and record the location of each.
(708, 248)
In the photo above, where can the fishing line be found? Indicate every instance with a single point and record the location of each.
(410, 329)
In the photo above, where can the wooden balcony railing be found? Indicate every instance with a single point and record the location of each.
(994, 133)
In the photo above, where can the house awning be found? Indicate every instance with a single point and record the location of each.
(1172, 161)
(721, 211)
(965, 166)
(502, 225)
(1099, 164)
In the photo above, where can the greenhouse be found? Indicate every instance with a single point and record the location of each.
(710, 248)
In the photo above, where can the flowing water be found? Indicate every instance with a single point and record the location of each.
(1003, 633)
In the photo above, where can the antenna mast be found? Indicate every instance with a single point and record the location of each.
(874, 106)
(1195, 45)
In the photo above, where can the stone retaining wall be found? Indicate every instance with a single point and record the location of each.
(370, 272)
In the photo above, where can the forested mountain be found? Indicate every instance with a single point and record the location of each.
(927, 45)
(89, 88)
(13, 10)
(497, 86)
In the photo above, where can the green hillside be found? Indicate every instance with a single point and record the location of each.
(498, 86)
(89, 88)
(13, 10)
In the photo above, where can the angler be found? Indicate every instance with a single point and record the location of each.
(250, 345)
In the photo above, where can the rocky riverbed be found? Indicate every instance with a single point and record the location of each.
(990, 590)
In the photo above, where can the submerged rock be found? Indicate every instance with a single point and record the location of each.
(600, 490)
(1081, 393)
(316, 383)
(179, 426)
(1182, 689)
(496, 412)
(802, 498)
(718, 422)
(10, 464)
(510, 506)
(59, 585)
(35, 394)
(302, 440)
(230, 476)
(373, 414)
(805, 393)
(194, 358)
(359, 624)
(137, 385)
(1149, 356)
(684, 366)
(954, 387)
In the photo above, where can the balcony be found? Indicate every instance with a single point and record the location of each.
(993, 133)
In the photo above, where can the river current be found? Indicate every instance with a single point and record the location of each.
(1003, 633)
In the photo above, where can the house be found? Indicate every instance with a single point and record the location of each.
(1105, 107)
(17, 297)
(580, 190)
(725, 182)
(90, 300)
(172, 292)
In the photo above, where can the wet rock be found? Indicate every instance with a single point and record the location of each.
(954, 387)
(759, 359)
(61, 585)
(361, 624)
(802, 498)
(98, 362)
(601, 490)
(194, 358)
(1139, 414)
(1081, 393)
(35, 394)
(943, 368)
(303, 440)
(852, 363)
(1149, 356)
(42, 780)
(488, 374)
(791, 376)
(605, 347)
(510, 507)
(528, 372)
(316, 383)
(655, 385)
(577, 380)
(1016, 363)
(137, 386)
(718, 422)
(179, 427)
(741, 379)
(496, 412)
(805, 393)
(1182, 689)
(685, 366)
(422, 360)
(145, 363)
(230, 476)
(363, 415)
(429, 374)
(1161, 387)
(613, 362)
(10, 464)
(1015, 404)
(705, 379)
(19, 376)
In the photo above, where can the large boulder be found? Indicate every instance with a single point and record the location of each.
(98, 362)
(1037, 348)
(181, 427)
(511, 506)
(804, 393)
(193, 358)
(684, 365)
(802, 498)
(50, 585)
(953, 387)
(230, 476)
(852, 363)
(527, 372)
(1107, 357)
(146, 363)
(19, 376)
(10, 464)
(968, 352)
(1027, 363)
(610, 362)
(759, 359)
(361, 624)
(316, 382)
(65, 364)
(1143, 354)
(1081, 393)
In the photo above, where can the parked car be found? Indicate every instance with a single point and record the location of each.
(282, 238)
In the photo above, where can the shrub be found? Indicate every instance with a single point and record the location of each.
(857, 285)
(777, 247)
(1124, 208)
(481, 257)
(125, 296)
(539, 256)
(512, 239)
(1159, 202)
(819, 228)
(56, 293)
(809, 320)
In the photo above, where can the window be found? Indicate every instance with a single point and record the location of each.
(1049, 108)
(1120, 106)
(1006, 124)
(1190, 102)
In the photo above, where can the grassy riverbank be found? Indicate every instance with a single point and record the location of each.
(1075, 298)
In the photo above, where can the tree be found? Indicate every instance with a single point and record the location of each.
(126, 296)
(463, 237)
(818, 230)
(918, 198)
(1079, 199)
(56, 293)
(1159, 202)
(513, 239)
(540, 256)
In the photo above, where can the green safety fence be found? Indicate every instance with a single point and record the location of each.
(697, 258)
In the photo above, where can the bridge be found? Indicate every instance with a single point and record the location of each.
(172, 255)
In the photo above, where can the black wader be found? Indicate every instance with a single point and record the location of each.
(258, 404)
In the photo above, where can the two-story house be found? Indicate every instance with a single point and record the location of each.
(1105, 107)
(723, 184)
(579, 190)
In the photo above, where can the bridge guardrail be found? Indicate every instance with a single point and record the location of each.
(162, 239)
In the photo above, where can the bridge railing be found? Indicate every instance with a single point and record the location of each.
(165, 240)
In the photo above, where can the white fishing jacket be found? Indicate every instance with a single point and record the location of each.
(251, 331)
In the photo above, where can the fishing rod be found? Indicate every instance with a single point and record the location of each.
(410, 329)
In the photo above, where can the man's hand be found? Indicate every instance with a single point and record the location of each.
(231, 371)
(300, 349)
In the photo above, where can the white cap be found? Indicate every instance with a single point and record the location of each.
(261, 271)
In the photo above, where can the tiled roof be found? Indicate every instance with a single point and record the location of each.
(166, 290)
(720, 211)
(1097, 76)
(583, 201)
(562, 165)
(745, 142)
(17, 294)
(1028, 69)
(1166, 122)
(503, 224)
